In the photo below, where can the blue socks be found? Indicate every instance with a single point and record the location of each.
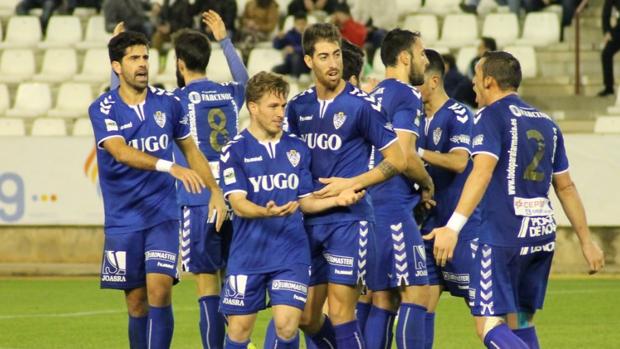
(410, 331)
(501, 337)
(137, 332)
(378, 332)
(361, 313)
(324, 339)
(528, 335)
(273, 341)
(429, 330)
(212, 331)
(349, 335)
(234, 345)
(160, 327)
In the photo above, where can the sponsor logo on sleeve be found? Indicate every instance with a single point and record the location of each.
(229, 176)
(110, 125)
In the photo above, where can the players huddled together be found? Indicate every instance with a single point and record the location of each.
(371, 203)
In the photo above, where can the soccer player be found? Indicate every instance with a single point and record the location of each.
(134, 125)
(352, 63)
(401, 262)
(213, 110)
(266, 178)
(339, 123)
(518, 154)
(445, 145)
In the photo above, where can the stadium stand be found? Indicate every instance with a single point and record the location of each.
(52, 71)
(33, 99)
(22, 32)
(72, 101)
(607, 124)
(540, 29)
(263, 59)
(62, 31)
(527, 57)
(503, 27)
(427, 24)
(16, 65)
(95, 36)
(5, 98)
(12, 127)
(82, 127)
(464, 57)
(96, 66)
(49, 127)
(459, 30)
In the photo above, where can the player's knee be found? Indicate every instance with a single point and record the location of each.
(416, 295)
(309, 322)
(385, 300)
(339, 313)
(159, 296)
(286, 329)
(136, 303)
(239, 331)
(488, 324)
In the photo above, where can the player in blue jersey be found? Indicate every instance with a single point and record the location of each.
(340, 124)
(213, 110)
(134, 125)
(400, 268)
(445, 145)
(518, 154)
(266, 177)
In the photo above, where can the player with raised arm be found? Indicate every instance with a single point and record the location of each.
(518, 154)
(400, 268)
(212, 109)
(340, 124)
(445, 145)
(266, 178)
(134, 125)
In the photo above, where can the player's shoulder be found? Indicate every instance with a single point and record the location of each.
(457, 112)
(162, 94)
(293, 140)
(355, 97)
(304, 97)
(103, 104)
(235, 145)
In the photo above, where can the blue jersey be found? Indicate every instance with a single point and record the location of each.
(136, 199)
(448, 130)
(267, 171)
(340, 134)
(403, 106)
(529, 148)
(213, 112)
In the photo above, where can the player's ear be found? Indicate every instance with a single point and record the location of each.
(308, 61)
(487, 82)
(181, 65)
(252, 108)
(116, 66)
(403, 57)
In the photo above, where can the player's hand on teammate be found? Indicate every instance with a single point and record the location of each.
(215, 23)
(594, 256)
(334, 186)
(349, 197)
(218, 207)
(445, 242)
(274, 210)
(427, 195)
(119, 28)
(191, 180)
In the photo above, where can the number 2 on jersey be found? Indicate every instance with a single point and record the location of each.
(530, 173)
(219, 134)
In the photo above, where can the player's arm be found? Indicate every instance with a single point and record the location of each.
(414, 166)
(473, 191)
(571, 202)
(456, 160)
(197, 162)
(131, 157)
(245, 208)
(310, 204)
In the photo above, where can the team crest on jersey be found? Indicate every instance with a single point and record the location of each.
(294, 157)
(160, 118)
(436, 135)
(339, 119)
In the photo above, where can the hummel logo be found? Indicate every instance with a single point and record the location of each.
(254, 159)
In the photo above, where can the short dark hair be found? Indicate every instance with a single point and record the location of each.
(300, 15)
(504, 68)
(396, 41)
(435, 63)
(342, 7)
(449, 59)
(319, 32)
(352, 60)
(263, 83)
(489, 43)
(193, 48)
(118, 45)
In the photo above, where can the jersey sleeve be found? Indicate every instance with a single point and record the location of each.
(487, 134)
(461, 126)
(560, 160)
(181, 120)
(306, 185)
(290, 121)
(407, 116)
(232, 175)
(238, 93)
(103, 119)
(374, 127)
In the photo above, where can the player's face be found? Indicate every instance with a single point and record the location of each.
(418, 63)
(134, 68)
(478, 82)
(268, 113)
(426, 89)
(326, 63)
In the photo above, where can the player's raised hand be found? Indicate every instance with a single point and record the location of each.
(594, 256)
(119, 28)
(445, 242)
(349, 197)
(334, 186)
(217, 207)
(215, 23)
(274, 210)
(191, 180)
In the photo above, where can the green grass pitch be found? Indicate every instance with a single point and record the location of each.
(74, 313)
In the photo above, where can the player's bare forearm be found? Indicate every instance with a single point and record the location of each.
(455, 161)
(244, 208)
(197, 162)
(416, 172)
(129, 156)
(571, 202)
(476, 184)
(393, 164)
(311, 204)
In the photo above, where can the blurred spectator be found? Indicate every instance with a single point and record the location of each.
(70, 5)
(133, 12)
(377, 20)
(612, 46)
(457, 85)
(352, 63)
(227, 9)
(174, 15)
(485, 44)
(349, 29)
(309, 6)
(471, 6)
(49, 6)
(259, 20)
(290, 44)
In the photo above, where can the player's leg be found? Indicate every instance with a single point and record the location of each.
(239, 331)
(212, 322)
(362, 309)
(342, 300)
(378, 332)
(524, 329)
(243, 296)
(138, 310)
(410, 331)
(434, 293)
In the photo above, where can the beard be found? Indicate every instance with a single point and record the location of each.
(416, 78)
(327, 82)
(180, 79)
(134, 84)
